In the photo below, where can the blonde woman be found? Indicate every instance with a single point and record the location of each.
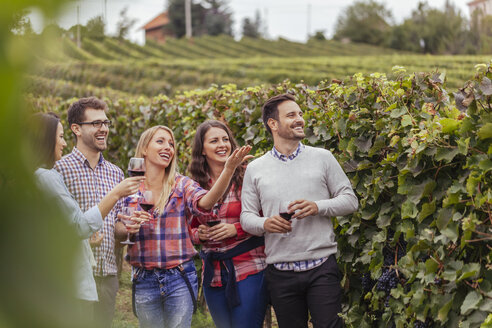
(164, 275)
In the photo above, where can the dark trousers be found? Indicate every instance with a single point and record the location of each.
(107, 288)
(316, 291)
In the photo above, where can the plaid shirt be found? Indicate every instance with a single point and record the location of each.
(297, 265)
(229, 211)
(166, 243)
(89, 186)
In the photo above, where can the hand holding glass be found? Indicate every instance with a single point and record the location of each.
(283, 212)
(136, 167)
(125, 217)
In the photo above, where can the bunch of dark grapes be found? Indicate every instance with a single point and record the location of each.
(387, 301)
(387, 281)
(388, 255)
(367, 282)
(389, 252)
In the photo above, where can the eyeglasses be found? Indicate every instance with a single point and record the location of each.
(97, 124)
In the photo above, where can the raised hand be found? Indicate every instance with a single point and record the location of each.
(238, 156)
(128, 186)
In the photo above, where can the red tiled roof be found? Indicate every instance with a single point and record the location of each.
(158, 21)
(471, 3)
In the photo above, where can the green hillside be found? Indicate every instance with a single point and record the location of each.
(115, 68)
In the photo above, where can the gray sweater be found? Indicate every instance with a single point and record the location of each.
(313, 175)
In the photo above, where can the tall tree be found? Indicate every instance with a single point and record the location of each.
(21, 24)
(253, 28)
(125, 24)
(432, 30)
(481, 32)
(218, 17)
(54, 30)
(176, 14)
(364, 21)
(95, 28)
(211, 17)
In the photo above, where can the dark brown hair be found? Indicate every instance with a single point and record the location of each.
(43, 138)
(270, 108)
(199, 169)
(76, 112)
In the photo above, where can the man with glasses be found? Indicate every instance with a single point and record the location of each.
(89, 177)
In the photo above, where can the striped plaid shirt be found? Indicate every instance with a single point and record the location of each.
(229, 211)
(297, 265)
(165, 243)
(89, 186)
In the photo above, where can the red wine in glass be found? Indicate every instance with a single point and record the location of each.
(136, 173)
(146, 206)
(213, 223)
(283, 211)
(286, 216)
(136, 167)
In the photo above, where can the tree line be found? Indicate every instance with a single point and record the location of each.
(426, 30)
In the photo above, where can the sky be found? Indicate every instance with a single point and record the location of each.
(290, 19)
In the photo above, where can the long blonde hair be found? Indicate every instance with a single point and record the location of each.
(170, 175)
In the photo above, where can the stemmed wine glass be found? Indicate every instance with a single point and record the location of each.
(283, 207)
(215, 221)
(146, 202)
(136, 167)
(125, 217)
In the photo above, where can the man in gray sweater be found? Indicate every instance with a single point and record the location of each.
(302, 273)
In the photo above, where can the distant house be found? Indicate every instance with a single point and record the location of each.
(484, 6)
(158, 29)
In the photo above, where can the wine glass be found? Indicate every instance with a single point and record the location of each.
(136, 167)
(283, 212)
(211, 223)
(125, 217)
(146, 202)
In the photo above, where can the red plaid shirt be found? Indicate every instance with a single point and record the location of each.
(229, 211)
(165, 243)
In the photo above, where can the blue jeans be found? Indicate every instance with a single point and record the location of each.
(162, 298)
(250, 313)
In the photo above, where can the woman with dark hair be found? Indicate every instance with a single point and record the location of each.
(47, 143)
(233, 260)
(164, 275)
